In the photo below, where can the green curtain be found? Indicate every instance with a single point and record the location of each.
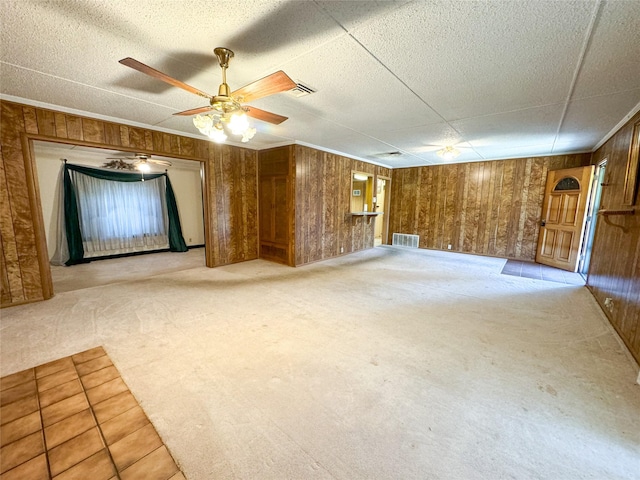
(72, 222)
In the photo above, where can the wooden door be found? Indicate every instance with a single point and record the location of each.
(563, 217)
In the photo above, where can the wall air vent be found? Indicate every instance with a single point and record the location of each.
(406, 240)
(301, 90)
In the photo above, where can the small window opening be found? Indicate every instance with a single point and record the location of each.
(567, 183)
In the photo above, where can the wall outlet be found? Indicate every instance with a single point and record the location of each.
(449, 247)
(608, 303)
(341, 249)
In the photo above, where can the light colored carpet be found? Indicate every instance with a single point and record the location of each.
(385, 364)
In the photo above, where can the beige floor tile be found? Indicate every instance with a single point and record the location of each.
(17, 378)
(68, 428)
(58, 378)
(99, 377)
(96, 467)
(21, 427)
(93, 365)
(119, 427)
(53, 367)
(18, 409)
(64, 408)
(114, 406)
(134, 446)
(88, 355)
(158, 465)
(76, 445)
(61, 392)
(106, 390)
(34, 469)
(20, 451)
(74, 451)
(18, 392)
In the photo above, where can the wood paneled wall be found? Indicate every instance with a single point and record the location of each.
(614, 271)
(230, 191)
(323, 199)
(486, 208)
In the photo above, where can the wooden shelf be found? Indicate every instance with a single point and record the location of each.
(367, 215)
(622, 211)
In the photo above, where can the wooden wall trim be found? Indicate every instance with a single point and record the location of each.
(230, 191)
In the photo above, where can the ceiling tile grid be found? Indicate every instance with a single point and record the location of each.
(496, 78)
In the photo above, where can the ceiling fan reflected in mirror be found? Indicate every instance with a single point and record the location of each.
(139, 161)
(226, 110)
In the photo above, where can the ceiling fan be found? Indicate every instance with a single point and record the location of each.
(139, 161)
(227, 107)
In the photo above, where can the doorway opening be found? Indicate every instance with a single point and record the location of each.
(592, 217)
(381, 202)
(186, 178)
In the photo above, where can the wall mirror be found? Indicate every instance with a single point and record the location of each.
(362, 192)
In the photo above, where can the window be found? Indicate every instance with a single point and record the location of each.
(567, 183)
(121, 217)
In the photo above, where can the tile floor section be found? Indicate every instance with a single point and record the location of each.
(75, 418)
(541, 272)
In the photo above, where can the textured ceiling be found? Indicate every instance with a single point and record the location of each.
(496, 79)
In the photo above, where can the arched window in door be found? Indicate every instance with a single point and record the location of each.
(567, 183)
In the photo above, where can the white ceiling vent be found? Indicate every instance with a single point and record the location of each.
(301, 90)
(389, 155)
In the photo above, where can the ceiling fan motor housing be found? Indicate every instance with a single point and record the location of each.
(224, 56)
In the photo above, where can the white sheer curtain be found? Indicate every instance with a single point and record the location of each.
(121, 217)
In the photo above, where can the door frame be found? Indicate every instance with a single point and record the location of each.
(386, 206)
(557, 203)
(592, 217)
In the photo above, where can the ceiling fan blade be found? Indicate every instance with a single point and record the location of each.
(193, 111)
(264, 115)
(274, 83)
(152, 72)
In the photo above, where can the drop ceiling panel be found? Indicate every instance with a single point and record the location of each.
(612, 61)
(391, 75)
(466, 155)
(355, 142)
(588, 120)
(353, 14)
(55, 91)
(371, 98)
(533, 126)
(494, 152)
(474, 58)
(420, 139)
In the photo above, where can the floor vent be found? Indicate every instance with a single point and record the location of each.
(404, 240)
(301, 90)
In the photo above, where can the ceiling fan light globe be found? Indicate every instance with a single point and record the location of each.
(448, 153)
(203, 122)
(143, 167)
(239, 123)
(217, 135)
(248, 135)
